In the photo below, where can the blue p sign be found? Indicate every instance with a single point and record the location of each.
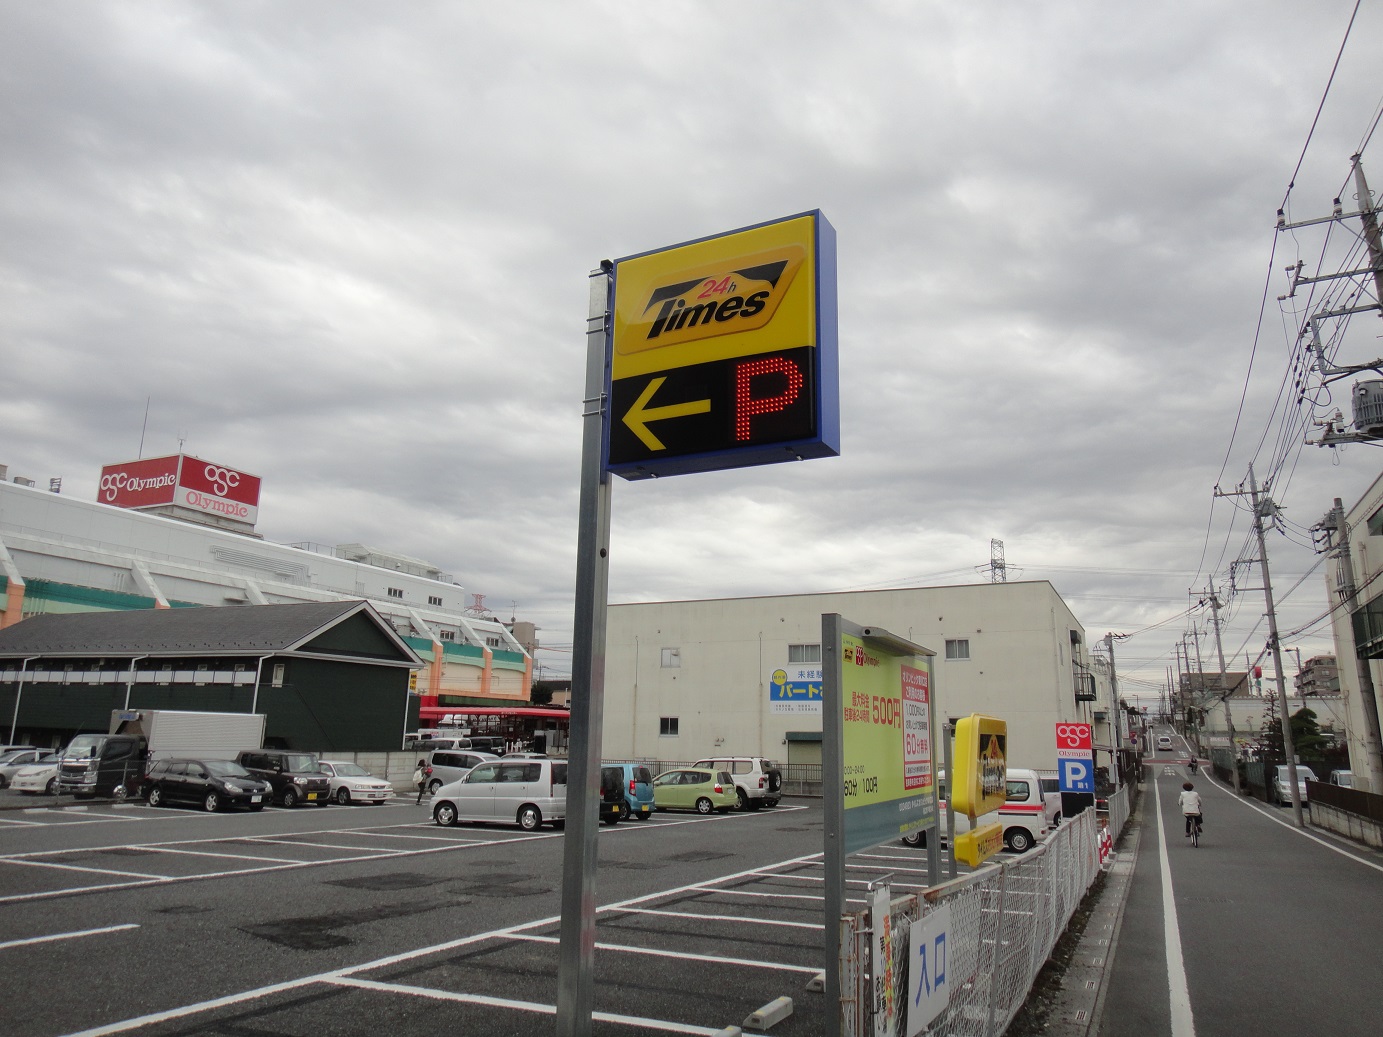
(1077, 776)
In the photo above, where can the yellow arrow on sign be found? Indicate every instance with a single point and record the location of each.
(641, 413)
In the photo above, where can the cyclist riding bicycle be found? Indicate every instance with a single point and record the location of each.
(1193, 765)
(1190, 803)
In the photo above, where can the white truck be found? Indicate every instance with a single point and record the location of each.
(113, 764)
(1027, 814)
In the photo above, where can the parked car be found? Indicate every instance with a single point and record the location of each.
(758, 781)
(1051, 794)
(450, 765)
(39, 779)
(294, 776)
(14, 761)
(613, 808)
(1281, 790)
(212, 784)
(1023, 815)
(695, 788)
(523, 792)
(638, 789)
(1345, 779)
(352, 783)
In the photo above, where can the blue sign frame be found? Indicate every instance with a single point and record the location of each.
(812, 435)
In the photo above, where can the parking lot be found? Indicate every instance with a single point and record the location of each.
(344, 920)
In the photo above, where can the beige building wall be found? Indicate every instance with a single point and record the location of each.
(707, 665)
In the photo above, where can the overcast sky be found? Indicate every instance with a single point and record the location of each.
(344, 246)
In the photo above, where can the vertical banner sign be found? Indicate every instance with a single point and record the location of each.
(723, 352)
(886, 723)
(885, 997)
(930, 990)
(1075, 757)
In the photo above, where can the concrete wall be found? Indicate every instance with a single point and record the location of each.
(1361, 829)
(1020, 665)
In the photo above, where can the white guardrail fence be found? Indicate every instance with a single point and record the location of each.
(964, 955)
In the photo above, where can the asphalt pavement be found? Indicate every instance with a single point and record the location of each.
(1263, 929)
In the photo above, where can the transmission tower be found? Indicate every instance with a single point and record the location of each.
(998, 568)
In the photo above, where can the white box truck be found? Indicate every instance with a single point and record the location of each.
(112, 764)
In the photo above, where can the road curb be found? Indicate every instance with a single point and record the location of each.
(1086, 979)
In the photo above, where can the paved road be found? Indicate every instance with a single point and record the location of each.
(1263, 930)
(373, 921)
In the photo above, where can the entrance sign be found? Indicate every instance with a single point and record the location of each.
(723, 352)
(1075, 757)
(928, 969)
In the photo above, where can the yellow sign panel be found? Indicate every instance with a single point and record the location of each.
(981, 780)
(737, 295)
(979, 844)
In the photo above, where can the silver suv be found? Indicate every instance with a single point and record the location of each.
(758, 781)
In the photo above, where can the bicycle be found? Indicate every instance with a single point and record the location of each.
(1196, 831)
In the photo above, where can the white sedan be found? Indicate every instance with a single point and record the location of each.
(352, 783)
(41, 778)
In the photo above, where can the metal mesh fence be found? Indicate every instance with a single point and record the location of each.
(1005, 920)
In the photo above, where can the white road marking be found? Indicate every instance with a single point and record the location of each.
(1183, 1024)
(78, 867)
(525, 1006)
(654, 952)
(67, 936)
(716, 918)
(231, 856)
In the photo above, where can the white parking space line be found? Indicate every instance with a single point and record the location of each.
(525, 1006)
(232, 856)
(755, 893)
(78, 867)
(382, 851)
(19, 821)
(714, 959)
(696, 916)
(67, 936)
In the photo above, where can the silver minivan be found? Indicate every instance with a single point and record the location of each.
(450, 765)
(525, 792)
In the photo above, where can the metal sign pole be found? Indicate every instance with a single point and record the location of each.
(833, 796)
(576, 952)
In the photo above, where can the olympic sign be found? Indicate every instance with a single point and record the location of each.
(178, 479)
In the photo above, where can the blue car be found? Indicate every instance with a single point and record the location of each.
(638, 789)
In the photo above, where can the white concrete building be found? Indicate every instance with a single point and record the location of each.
(685, 679)
(62, 554)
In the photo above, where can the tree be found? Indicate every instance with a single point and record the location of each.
(1270, 734)
(1307, 739)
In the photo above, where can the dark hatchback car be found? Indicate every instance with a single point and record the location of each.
(295, 776)
(210, 784)
(613, 808)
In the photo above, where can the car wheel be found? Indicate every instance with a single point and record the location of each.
(51, 789)
(445, 814)
(1019, 840)
(1056, 820)
(343, 796)
(156, 797)
(290, 796)
(433, 786)
(742, 798)
(529, 818)
(705, 806)
(212, 803)
(916, 839)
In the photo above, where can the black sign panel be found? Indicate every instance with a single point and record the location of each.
(711, 408)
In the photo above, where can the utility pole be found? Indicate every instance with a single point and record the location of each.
(1260, 507)
(1368, 216)
(1224, 687)
(1115, 711)
(1334, 522)
(1200, 681)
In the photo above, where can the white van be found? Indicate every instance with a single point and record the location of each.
(1024, 815)
(525, 792)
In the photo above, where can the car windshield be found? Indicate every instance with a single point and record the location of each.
(300, 763)
(350, 770)
(83, 747)
(226, 769)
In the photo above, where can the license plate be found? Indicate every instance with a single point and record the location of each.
(312, 795)
(255, 799)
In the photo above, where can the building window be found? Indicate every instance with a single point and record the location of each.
(1375, 523)
(433, 599)
(804, 653)
(672, 660)
(447, 635)
(202, 669)
(667, 727)
(492, 642)
(165, 673)
(280, 671)
(396, 592)
(958, 648)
